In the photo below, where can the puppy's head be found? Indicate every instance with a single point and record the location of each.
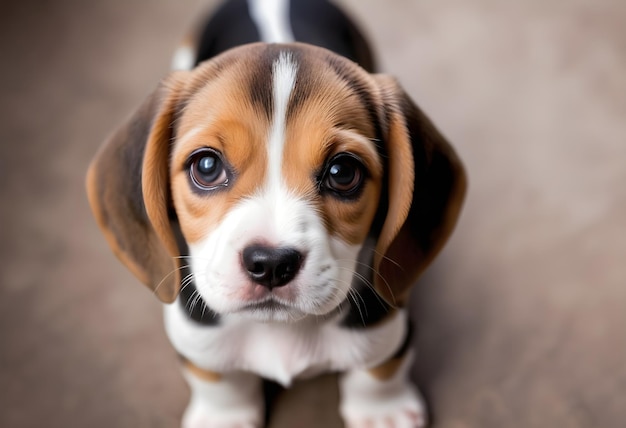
(271, 172)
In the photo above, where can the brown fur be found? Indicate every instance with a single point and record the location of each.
(115, 193)
(387, 369)
(329, 121)
(426, 189)
(215, 118)
(206, 375)
(226, 104)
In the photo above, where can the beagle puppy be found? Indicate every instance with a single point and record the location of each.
(281, 199)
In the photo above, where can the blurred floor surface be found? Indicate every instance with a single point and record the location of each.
(522, 320)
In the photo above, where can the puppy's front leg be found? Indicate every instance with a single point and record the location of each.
(382, 396)
(222, 400)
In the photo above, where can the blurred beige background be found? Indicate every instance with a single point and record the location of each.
(522, 320)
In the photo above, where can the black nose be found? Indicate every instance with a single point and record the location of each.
(271, 267)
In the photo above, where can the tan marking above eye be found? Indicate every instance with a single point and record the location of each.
(218, 118)
(312, 139)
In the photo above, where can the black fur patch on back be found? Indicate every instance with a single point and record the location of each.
(321, 23)
(229, 26)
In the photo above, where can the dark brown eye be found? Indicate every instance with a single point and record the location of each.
(207, 170)
(344, 175)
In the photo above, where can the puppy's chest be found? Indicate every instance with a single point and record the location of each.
(281, 353)
(284, 352)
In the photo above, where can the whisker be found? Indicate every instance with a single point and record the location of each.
(189, 257)
(173, 271)
(369, 284)
(351, 293)
(188, 280)
(204, 308)
(197, 299)
(189, 303)
(384, 280)
(387, 258)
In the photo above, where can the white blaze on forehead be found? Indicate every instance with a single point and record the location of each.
(271, 18)
(283, 81)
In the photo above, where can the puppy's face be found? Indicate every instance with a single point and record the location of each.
(265, 170)
(275, 179)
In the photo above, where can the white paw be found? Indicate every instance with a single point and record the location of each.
(235, 401)
(370, 402)
(202, 417)
(403, 408)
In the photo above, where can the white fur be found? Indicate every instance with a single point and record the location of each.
(280, 220)
(234, 401)
(276, 217)
(302, 337)
(373, 403)
(271, 18)
(183, 58)
(283, 80)
(282, 351)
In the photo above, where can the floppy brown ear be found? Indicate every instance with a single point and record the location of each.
(128, 190)
(426, 188)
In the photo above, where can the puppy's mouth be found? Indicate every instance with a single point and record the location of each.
(269, 305)
(271, 310)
